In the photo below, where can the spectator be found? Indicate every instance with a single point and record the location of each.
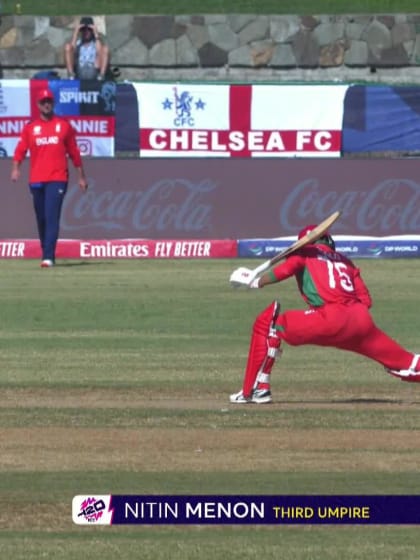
(49, 139)
(86, 56)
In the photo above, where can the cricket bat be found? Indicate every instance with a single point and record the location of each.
(310, 237)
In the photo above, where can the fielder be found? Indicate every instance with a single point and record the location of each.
(338, 316)
(50, 141)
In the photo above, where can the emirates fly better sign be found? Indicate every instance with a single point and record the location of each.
(240, 120)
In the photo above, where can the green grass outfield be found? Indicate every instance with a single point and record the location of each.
(115, 379)
(62, 7)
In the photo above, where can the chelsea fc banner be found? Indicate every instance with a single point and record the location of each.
(205, 120)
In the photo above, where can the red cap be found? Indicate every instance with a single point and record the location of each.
(306, 230)
(325, 236)
(45, 94)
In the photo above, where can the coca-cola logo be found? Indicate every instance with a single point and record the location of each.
(389, 206)
(185, 207)
(178, 205)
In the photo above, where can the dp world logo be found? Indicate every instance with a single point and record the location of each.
(184, 105)
(375, 250)
(88, 510)
(256, 249)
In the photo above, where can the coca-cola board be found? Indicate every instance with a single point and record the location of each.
(225, 199)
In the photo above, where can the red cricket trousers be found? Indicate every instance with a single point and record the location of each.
(345, 326)
(349, 327)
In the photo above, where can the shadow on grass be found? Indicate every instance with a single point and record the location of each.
(353, 400)
(84, 263)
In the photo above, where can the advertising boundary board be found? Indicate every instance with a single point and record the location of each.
(141, 249)
(354, 247)
(258, 202)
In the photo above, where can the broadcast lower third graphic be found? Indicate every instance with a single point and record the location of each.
(245, 510)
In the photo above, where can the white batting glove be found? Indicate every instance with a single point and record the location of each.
(243, 276)
(255, 283)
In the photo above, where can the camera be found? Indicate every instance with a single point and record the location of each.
(86, 21)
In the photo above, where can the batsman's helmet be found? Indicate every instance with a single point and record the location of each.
(326, 238)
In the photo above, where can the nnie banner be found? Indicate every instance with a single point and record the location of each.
(88, 105)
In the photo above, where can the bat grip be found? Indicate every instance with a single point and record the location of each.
(260, 269)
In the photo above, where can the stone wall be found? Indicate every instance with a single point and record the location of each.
(228, 47)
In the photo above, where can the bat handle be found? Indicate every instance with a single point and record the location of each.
(260, 269)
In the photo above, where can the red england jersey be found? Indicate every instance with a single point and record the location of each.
(324, 276)
(49, 142)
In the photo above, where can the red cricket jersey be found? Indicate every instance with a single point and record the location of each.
(324, 276)
(49, 143)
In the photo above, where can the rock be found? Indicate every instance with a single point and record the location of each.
(12, 56)
(163, 53)
(197, 20)
(306, 49)
(309, 22)
(133, 49)
(198, 35)
(416, 50)
(222, 36)
(283, 28)
(357, 54)
(378, 37)
(392, 57)
(283, 57)
(354, 31)
(328, 33)
(212, 19)
(41, 54)
(119, 30)
(402, 32)
(9, 39)
(62, 21)
(41, 26)
(240, 56)
(152, 30)
(332, 55)
(211, 55)
(409, 49)
(261, 53)
(58, 37)
(238, 21)
(255, 31)
(386, 20)
(186, 55)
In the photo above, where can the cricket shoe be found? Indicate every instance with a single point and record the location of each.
(411, 375)
(258, 396)
(47, 263)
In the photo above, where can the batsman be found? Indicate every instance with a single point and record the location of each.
(337, 316)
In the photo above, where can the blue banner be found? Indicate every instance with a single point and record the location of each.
(127, 136)
(246, 510)
(84, 98)
(351, 247)
(381, 118)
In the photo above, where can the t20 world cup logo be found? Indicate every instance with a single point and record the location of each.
(94, 509)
